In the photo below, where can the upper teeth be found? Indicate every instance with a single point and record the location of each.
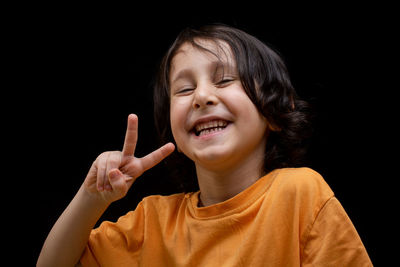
(210, 124)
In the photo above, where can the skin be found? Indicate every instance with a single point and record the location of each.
(109, 179)
(202, 87)
(227, 161)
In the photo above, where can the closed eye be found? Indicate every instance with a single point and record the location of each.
(225, 81)
(184, 91)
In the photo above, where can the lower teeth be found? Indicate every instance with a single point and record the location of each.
(208, 131)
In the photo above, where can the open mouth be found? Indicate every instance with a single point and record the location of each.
(209, 127)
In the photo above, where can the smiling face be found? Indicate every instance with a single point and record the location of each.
(213, 121)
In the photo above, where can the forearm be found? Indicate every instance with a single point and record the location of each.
(69, 235)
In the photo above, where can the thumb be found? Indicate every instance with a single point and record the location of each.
(117, 181)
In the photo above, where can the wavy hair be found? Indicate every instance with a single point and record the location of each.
(265, 80)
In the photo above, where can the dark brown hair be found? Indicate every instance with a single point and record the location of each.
(266, 81)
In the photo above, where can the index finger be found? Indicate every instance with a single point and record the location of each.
(130, 136)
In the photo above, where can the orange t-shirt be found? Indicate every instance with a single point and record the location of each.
(289, 217)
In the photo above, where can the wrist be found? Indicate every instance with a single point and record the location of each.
(93, 201)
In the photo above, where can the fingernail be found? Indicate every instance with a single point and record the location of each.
(114, 174)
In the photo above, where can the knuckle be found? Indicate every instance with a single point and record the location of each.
(115, 157)
(114, 160)
(102, 156)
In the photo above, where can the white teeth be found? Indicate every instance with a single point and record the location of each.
(207, 131)
(210, 126)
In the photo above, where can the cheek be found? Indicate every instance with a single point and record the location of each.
(177, 119)
(245, 111)
(173, 119)
(238, 103)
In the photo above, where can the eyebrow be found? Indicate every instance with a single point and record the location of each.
(181, 74)
(216, 65)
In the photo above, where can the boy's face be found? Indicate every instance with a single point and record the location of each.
(213, 121)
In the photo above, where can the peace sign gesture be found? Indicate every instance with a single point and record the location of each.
(113, 172)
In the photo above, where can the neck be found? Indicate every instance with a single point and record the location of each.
(219, 185)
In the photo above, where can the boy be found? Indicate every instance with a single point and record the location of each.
(226, 100)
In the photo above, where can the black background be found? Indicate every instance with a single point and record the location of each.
(77, 72)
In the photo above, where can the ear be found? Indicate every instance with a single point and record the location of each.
(274, 128)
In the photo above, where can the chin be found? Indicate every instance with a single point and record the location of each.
(212, 158)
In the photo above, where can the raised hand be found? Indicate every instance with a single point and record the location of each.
(113, 172)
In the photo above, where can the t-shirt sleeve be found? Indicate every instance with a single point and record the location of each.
(333, 240)
(112, 244)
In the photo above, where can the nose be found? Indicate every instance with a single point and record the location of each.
(204, 96)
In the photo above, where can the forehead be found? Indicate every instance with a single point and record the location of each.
(210, 50)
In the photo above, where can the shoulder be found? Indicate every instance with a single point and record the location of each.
(301, 178)
(160, 200)
(304, 182)
(301, 193)
(149, 208)
(148, 205)
(164, 206)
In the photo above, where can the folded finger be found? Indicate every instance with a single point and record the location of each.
(113, 162)
(101, 171)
